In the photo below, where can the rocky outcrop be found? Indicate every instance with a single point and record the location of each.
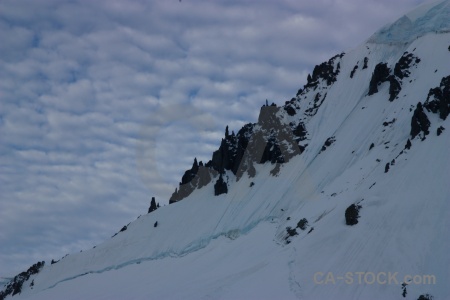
(197, 177)
(352, 214)
(394, 88)
(366, 60)
(438, 100)
(419, 122)
(327, 143)
(269, 140)
(290, 110)
(326, 71)
(14, 287)
(402, 67)
(318, 100)
(153, 205)
(380, 75)
(352, 73)
(220, 187)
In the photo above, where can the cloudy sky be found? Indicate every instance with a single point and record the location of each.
(104, 104)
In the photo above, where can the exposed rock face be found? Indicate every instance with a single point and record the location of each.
(302, 224)
(14, 287)
(419, 122)
(328, 143)
(352, 214)
(220, 187)
(438, 100)
(352, 73)
(366, 60)
(408, 145)
(318, 100)
(153, 205)
(290, 110)
(324, 72)
(380, 75)
(190, 174)
(268, 140)
(203, 176)
(401, 69)
(394, 88)
(299, 131)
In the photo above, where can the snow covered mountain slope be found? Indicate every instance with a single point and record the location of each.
(365, 141)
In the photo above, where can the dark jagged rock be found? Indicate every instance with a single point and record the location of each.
(438, 100)
(394, 88)
(156, 224)
(272, 153)
(419, 122)
(290, 233)
(269, 140)
(328, 143)
(404, 292)
(389, 123)
(380, 75)
(427, 296)
(401, 69)
(325, 71)
(371, 146)
(300, 131)
(14, 287)
(153, 205)
(190, 174)
(318, 100)
(366, 60)
(352, 73)
(302, 224)
(267, 116)
(203, 177)
(231, 150)
(290, 110)
(352, 214)
(440, 130)
(220, 187)
(386, 168)
(408, 144)
(274, 142)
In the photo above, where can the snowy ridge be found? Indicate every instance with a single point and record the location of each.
(353, 150)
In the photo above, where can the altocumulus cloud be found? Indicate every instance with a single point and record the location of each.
(104, 104)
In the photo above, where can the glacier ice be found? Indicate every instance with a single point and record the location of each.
(417, 23)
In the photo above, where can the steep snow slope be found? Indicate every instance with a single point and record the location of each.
(236, 246)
